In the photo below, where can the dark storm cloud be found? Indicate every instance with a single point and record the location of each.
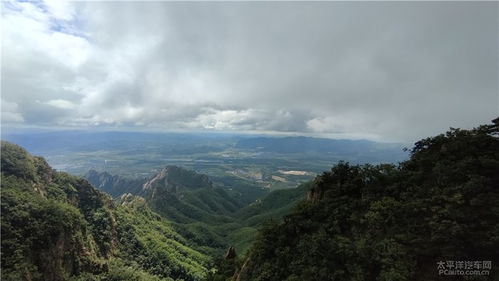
(386, 70)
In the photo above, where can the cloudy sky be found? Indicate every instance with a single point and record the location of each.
(393, 71)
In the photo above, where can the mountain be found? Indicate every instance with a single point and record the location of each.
(58, 227)
(272, 206)
(237, 162)
(42, 141)
(198, 210)
(185, 196)
(303, 144)
(211, 217)
(359, 151)
(355, 222)
(387, 222)
(114, 185)
(178, 194)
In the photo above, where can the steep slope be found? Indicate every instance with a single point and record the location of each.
(242, 232)
(200, 212)
(186, 196)
(181, 195)
(152, 242)
(114, 185)
(55, 226)
(273, 206)
(209, 216)
(389, 222)
(50, 216)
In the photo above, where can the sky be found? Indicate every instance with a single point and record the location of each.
(388, 71)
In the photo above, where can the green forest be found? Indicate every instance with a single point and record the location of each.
(388, 222)
(354, 222)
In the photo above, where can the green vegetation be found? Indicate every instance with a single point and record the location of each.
(389, 222)
(357, 222)
(170, 235)
(212, 218)
(118, 270)
(151, 242)
(241, 164)
(56, 226)
(273, 206)
(209, 217)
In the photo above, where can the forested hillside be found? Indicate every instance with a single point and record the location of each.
(355, 222)
(56, 227)
(388, 222)
(212, 218)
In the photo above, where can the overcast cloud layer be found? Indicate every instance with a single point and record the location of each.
(378, 70)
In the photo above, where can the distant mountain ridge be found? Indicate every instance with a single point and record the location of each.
(303, 144)
(344, 149)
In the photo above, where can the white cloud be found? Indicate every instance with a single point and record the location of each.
(29, 35)
(10, 112)
(382, 70)
(60, 9)
(62, 104)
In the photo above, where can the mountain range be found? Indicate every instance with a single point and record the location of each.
(166, 226)
(353, 222)
(214, 218)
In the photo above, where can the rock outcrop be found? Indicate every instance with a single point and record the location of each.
(231, 253)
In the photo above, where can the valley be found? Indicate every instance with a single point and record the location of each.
(176, 223)
(229, 159)
(241, 172)
(214, 217)
(171, 225)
